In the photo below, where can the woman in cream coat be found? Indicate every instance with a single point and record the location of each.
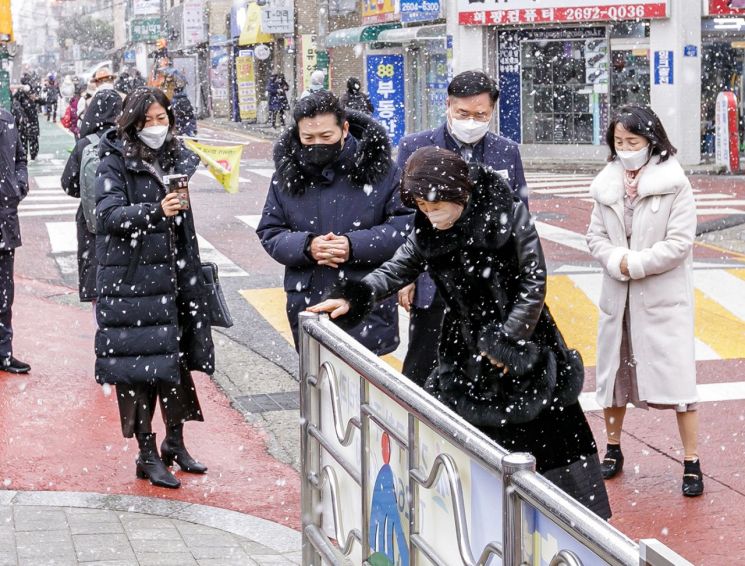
(642, 231)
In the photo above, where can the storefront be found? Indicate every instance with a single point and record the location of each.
(560, 77)
(723, 64)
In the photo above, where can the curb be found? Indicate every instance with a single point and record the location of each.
(277, 537)
(720, 224)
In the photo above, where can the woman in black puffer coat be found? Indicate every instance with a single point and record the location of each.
(503, 364)
(153, 326)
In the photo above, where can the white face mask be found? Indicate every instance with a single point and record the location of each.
(634, 160)
(444, 218)
(468, 131)
(153, 136)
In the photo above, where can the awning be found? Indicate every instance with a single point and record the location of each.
(362, 34)
(420, 33)
(251, 33)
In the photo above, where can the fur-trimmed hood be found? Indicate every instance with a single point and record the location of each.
(656, 179)
(365, 159)
(486, 221)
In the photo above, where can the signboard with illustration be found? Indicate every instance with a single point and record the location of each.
(385, 81)
(378, 11)
(510, 12)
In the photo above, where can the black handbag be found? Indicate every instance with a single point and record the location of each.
(218, 307)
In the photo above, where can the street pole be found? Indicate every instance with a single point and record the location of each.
(322, 56)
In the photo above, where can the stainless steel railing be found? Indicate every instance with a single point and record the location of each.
(327, 534)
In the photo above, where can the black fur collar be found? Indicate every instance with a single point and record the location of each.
(368, 164)
(485, 223)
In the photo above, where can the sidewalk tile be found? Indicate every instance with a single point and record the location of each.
(163, 546)
(103, 547)
(222, 562)
(167, 559)
(159, 534)
(235, 553)
(39, 518)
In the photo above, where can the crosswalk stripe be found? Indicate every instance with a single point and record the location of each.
(558, 185)
(62, 237)
(559, 191)
(225, 266)
(48, 181)
(727, 289)
(270, 303)
(31, 213)
(48, 206)
(719, 328)
(718, 211)
(575, 314)
(707, 393)
(251, 220)
(34, 197)
(562, 236)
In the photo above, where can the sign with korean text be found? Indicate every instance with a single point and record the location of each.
(246, 78)
(278, 17)
(310, 57)
(419, 10)
(385, 80)
(507, 12)
(378, 11)
(663, 68)
(146, 7)
(145, 29)
(724, 8)
(193, 23)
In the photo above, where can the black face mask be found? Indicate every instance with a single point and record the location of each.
(320, 154)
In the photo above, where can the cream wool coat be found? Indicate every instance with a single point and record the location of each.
(660, 289)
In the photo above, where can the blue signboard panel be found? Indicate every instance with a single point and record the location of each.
(663, 68)
(419, 10)
(385, 81)
(509, 86)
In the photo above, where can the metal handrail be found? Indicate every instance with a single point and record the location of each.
(343, 434)
(328, 477)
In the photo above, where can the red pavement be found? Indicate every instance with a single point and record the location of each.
(61, 432)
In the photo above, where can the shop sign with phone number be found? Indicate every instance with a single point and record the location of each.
(506, 12)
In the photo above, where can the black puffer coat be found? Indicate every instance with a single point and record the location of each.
(491, 273)
(104, 110)
(151, 307)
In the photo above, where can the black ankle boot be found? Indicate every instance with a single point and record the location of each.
(693, 479)
(173, 449)
(150, 466)
(612, 461)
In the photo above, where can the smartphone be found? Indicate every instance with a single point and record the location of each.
(179, 183)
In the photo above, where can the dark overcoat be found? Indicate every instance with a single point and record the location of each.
(358, 197)
(13, 181)
(151, 308)
(491, 273)
(494, 151)
(104, 111)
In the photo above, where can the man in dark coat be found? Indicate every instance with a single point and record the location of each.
(26, 114)
(472, 97)
(504, 366)
(355, 99)
(333, 210)
(100, 116)
(276, 91)
(13, 189)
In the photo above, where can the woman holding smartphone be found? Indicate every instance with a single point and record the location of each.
(153, 324)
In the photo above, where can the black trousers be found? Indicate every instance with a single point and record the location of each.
(425, 329)
(7, 292)
(178, 404)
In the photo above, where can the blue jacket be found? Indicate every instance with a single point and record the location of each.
(13, 181)
(356, 196)
(494, 151)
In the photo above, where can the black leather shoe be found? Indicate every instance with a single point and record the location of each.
(693, 478)
(173, 449)
(612, 462)
(150, 466)
(12, 365)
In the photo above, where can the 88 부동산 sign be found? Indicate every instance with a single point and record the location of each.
(385, 81)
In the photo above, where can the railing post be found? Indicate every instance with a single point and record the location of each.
(512, 520)
(653, 553)
(310, 454)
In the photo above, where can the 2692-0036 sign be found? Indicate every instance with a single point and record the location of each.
(495, 12)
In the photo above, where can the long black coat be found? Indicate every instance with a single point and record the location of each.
(358, 197)
(151, 307)
(491, 273)
(104, 110)
(13, 181)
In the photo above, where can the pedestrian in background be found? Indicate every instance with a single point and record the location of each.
(317, 83)
(355, 99)
(504, 366)
(333, 210)
(104, 112)
(27, 118)
(85, 98)
(472, 98)
(70, 118)
(13, 189)
(52, 96)
(642, 230)
(153, 324)
(183, 111)
(276, 91)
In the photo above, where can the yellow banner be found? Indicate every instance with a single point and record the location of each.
(223, 161)
(246, 78)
